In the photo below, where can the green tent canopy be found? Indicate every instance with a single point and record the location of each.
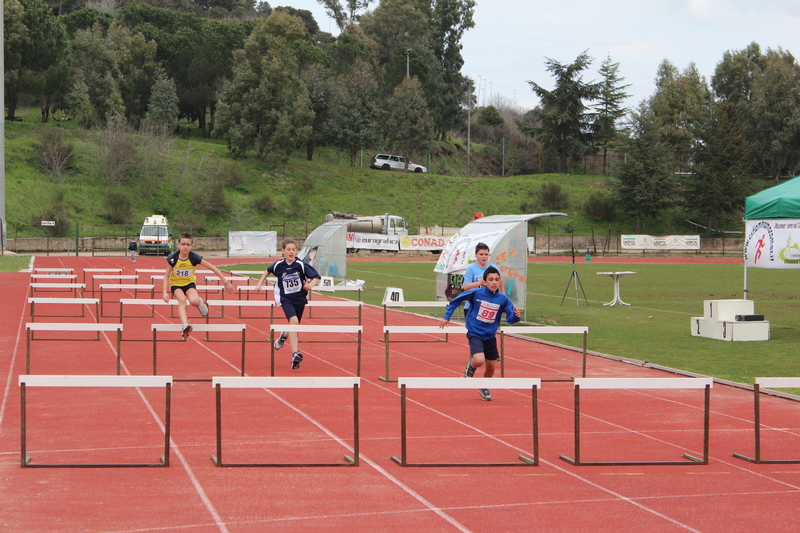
(780, 201)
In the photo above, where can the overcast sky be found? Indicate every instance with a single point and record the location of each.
(512, 38)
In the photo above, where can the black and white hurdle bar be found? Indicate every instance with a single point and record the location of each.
(540, 330)
(767, 383)
(287, 383)
(26, 381)
(473, 383)
(641, 383)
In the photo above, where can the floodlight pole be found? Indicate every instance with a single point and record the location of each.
(408, 52)
(469, 119)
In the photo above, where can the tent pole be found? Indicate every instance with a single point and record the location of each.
(745, 281)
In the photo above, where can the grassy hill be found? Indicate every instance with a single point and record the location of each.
(195, 183)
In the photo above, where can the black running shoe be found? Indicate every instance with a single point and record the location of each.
(470, 371)
(485, 395)
(297, 358)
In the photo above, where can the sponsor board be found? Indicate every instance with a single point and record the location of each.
(772, 243)
(670, 242)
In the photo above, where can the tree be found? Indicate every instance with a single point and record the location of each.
(564, 121)
(490, 116)
(773, 116)
(353, 122)
(344, 14)
(608, 109)
(162, 109)
(409, 122)
(681, 101)
(645, 186)
(734, 76)
(320, 93)
(719, 181)
(266, 104)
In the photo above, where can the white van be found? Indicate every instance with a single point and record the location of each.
(155, 239)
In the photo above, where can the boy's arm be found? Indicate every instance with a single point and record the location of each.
(453, 305)
(220, 275)
(261, 279)
(165, 284)
(310, 284)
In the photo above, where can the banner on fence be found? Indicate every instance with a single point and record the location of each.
(423, 242)
(670, 242)
(252, 242)
(373, 241)
(772, 243)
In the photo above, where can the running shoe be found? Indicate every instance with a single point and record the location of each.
(485, 395)
(470, 371)
(297, 357)
(203, 308)
(280, 341)
(187, 328)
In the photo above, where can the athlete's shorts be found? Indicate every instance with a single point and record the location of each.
(184, 288)
(291, 309)
(487, 348)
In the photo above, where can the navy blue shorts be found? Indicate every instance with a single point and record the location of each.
(185, 288)
(291, 309)
(487, 348)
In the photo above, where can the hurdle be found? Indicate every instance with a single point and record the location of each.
(177, 328)
(32, 327)
(83, 302)
(266, 290)
(641, 383)
(26, 381)
(541, 330)
(432, 330)
(119, 287)
(222, 304)
(93, 271)
(287, 383)
(71, 277)
(473, 383)
(105, 278)
(71, 287)
(771, 383)
(341, 303)
(301, 328)
(421, 304)
(334, 289)
(54, 271)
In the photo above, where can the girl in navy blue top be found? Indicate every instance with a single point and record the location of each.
(295, 279)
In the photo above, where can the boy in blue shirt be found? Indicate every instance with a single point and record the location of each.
(295, 279)
(487, 304)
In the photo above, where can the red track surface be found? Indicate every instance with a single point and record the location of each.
(192, 494)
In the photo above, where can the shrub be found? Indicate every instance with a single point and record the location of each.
(55, 156)
(119, 208)
(265, 203)
(599, 207)
(551, 195)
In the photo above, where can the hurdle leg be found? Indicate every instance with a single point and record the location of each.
(402, 461)
(28, 352)
(706, 419)
(577, 424)
(386, 345)
(155, 351)
(24, 456)
(167, 418)
(502, 354)
(119, 350)
(244, 343)
(585, 334)
(217, 459)
(356, 454)
(358, 364)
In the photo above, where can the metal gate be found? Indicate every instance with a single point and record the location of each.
(111, 240)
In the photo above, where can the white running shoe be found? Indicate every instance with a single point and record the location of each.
(280, 341)
(187, 328)
(203, 308)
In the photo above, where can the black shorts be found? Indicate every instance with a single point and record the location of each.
(487, 348)
(291, 309)
(184, 288)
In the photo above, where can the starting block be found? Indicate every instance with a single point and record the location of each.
(287, 383)
(641, 383)
(27, 381)
(473, 383)
(772, 383)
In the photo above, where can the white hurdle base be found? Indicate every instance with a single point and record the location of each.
(641, 383)
(27, 381)
(287, 383)
(767, 383)
(473, 383)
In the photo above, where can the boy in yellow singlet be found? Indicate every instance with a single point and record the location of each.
(180, 281)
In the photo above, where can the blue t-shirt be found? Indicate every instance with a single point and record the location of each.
(475, 273)
(485, 311)
(291, 278)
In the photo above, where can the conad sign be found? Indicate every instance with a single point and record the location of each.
(423, 242)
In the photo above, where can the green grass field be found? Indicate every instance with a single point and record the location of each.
(655, 328)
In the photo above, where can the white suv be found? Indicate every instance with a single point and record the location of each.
(394, 162)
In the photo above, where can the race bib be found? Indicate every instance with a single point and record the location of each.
(291, 283)
(181, 273)
(487, 312)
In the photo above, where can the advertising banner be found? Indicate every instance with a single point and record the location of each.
(457, 256)
(373, 241)
(772, 243)
(670, 242)
(252, 242)
(423, 242)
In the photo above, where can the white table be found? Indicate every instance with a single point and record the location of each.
(616, 275)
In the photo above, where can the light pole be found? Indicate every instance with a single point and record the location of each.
(408, 52)
(469, 118)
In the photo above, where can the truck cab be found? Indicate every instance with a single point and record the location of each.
(155, 238)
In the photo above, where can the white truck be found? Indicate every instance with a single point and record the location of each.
(155, 238)
(389, 233)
